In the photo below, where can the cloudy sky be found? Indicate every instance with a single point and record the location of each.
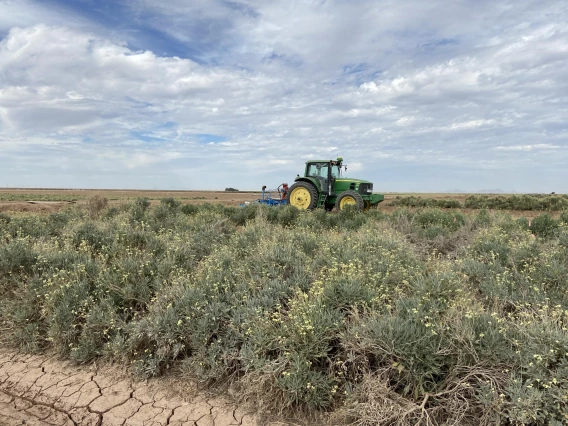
(204, 94)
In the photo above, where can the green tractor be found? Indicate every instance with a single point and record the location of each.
(323, 186)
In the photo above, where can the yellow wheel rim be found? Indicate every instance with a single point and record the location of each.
(347, 201)
(300, 198)
(367, 205)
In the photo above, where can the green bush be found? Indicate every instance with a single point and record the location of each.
(451, 221)
(413, 201)
(25, 196)
(483, 219)
(139, 209)
(537, 393)
(369, 314)
(28, 226)
(517, 202)
(17, 256)
(285, 216)
(242, 216)
(4, 219)
(89, 233)
(189, 209)
(111, 213)
(543, 225)
(28, 329)
(170, 203)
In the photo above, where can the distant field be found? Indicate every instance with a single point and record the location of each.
(227, 198)
(112, 194)
(49, 200)
(54, 199)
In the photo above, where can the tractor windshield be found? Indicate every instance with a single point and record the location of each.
(318, 170)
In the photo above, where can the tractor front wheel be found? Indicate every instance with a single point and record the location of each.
(350, 198)
(303, 196)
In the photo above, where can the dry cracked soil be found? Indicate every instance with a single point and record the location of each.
(39, 390)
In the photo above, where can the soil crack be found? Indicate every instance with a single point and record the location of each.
(42, 390)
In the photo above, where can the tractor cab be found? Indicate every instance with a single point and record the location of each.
(326, 172)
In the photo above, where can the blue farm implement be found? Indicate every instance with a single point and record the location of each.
(267, 198)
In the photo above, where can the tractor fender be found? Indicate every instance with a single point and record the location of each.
(313, 181)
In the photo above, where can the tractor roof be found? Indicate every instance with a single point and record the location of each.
(339, 159)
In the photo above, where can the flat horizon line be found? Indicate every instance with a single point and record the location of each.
(4, 189)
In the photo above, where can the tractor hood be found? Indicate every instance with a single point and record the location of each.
(347, 179)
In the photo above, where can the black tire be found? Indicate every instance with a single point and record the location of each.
(351, 198)
(298, 197)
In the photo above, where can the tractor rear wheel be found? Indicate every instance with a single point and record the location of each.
(303, 196)
(349, 198)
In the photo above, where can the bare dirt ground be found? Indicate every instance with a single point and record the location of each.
(39, 390)
(50, 200)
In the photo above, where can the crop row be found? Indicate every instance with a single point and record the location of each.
(374, 318)
(501, 202)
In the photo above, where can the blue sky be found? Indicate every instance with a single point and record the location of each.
(205, 94)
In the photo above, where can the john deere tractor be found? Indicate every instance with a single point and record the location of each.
(323, 186)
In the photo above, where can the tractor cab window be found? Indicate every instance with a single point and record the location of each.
(335, 171)
(318, 170)
(312, 170)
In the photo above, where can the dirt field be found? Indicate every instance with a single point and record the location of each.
(39, 390)
(51, 200)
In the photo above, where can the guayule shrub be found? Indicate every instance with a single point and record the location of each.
(4, 219)
(96, 205)
(17, 257)
(383, 319)
(413, 201)
(189, 209)
(138, 209)
(517, 202)
(544, 225)
(93, 236)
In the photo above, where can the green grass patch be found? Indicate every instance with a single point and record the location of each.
(6, 196)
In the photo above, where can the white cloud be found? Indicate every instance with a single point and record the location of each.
(471, 124)
(526, 147)
(25, 13)
(144, 159)
(402, 89)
